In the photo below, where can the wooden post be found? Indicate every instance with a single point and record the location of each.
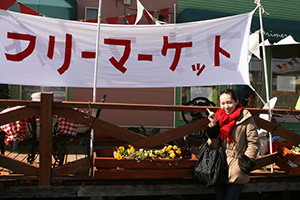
(46, 138)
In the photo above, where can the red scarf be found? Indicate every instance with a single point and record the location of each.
(227, 122)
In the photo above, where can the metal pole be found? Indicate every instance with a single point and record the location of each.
(265, 73)
(97, 52)
(175, 13)
(95, 76)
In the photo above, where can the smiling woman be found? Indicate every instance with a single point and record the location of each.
(63, 9)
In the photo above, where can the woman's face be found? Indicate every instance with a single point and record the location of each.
(227, 103)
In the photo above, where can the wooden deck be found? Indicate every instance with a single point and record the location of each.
(27, 187)
(18, 186)
(73, 153)
(76, 176)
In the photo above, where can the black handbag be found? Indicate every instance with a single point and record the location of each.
(211, 168)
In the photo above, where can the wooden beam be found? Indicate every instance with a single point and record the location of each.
(266, 160)
(46, 138)
(128, 106)
(18, 114)
(112, 163)
(18, 166)
(111, 129)
(171, 134)
(10, 102)
(73, 167)
(277, 130)
(101, 174)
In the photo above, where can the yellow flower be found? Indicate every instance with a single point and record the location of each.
(121, 148)
(172, 155)
(170, 151)
(119, 157)
(169, 148)
(132, 149)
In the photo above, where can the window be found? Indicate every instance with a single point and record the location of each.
(209, 92)
(257, 81)
(91, 13)
(27, 91)
(212, 92)
(286, 81)
(186, 94)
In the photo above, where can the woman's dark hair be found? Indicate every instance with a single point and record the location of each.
(230, 92)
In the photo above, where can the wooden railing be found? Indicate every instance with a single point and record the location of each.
(46, 108)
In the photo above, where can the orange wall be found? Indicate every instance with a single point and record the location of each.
(163, 96)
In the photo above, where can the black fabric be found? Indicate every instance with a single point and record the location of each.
(211, 168)
(213, 132)
(246, 164)
(228, 191)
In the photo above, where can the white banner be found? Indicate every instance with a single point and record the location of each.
(52, 52)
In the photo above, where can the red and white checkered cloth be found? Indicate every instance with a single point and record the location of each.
(18, 129)
(67, 127)
(14, 130)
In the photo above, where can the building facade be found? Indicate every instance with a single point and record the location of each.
(283, 62)
(280, 20)
(87, 10)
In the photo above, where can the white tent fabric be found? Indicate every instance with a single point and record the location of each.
(254, 45)
(286, 41)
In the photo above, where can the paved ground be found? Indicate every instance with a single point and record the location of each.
(245, 196)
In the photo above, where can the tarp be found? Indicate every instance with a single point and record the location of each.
(62, 9)
(44, 51)
(274, 29)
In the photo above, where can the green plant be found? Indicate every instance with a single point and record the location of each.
(4, 91)
(142, 130)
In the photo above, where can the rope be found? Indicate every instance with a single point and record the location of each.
(259, 5)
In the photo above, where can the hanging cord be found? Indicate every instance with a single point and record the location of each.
(257, 2)
(252, 88)
(288, 114)
(89, 109)
(97, 114)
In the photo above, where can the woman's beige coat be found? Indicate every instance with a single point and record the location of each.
(247, 142)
